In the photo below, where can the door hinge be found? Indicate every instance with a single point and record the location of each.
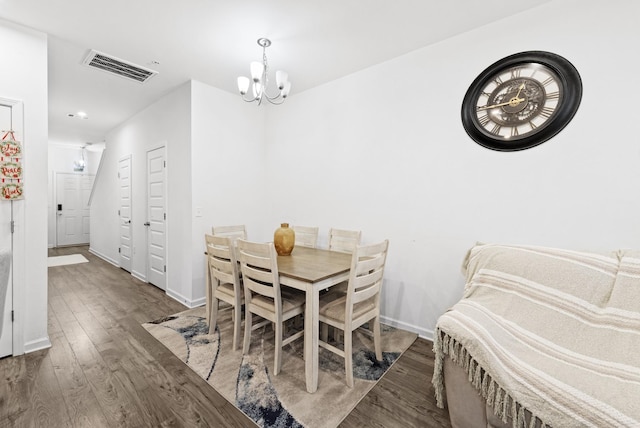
(13, 226)
(118, 212)
(119, 250)
(12, 316)
(165, 268)
(165, 164)
(165, 216)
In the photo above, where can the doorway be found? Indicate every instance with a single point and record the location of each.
(72, 208)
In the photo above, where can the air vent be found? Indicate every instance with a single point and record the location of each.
(118, 67)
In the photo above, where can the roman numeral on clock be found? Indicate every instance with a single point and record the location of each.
(546, 112)
(484, 119)
(548, 81)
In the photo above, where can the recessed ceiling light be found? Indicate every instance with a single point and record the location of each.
(79, 115)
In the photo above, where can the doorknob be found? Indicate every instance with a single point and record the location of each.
(146, 223)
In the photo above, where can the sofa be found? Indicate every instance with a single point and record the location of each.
(542, 337)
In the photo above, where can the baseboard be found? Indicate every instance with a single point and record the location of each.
(199, 302)
(139, 276)
(37, 345)
(422, 332)
(103, 257)
(187, 302)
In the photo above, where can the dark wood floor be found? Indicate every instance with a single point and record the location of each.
(105, 370)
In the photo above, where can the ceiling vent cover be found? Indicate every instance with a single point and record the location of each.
(118, 67)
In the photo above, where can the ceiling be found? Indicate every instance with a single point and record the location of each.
(213, 41)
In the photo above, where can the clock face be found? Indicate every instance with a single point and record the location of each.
(521, 101)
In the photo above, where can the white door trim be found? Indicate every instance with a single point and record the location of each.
(18, 269)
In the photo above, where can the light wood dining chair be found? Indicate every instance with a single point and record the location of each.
(234, 232)
(306, 236)
(223, 283)
(264, 296)
(344, 240)
(360, 305)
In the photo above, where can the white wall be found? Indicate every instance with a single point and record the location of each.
(23, 77)
(165, 123)
(384, 151)
(61, 159)
(227, 170)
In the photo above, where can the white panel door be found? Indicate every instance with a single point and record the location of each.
(6, 333)
(72, 208)
(156, 218)
(124, 177)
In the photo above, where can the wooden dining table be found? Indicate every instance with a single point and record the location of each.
(312, 270)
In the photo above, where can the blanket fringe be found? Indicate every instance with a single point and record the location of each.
(438, 370)
(504, 405)
(491, 392)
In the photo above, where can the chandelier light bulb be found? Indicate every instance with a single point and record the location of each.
(243, 84)
(257, 90)
(281, 78)
(286, 89)
(257, 69)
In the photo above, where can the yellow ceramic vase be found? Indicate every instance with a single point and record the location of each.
(284, 239)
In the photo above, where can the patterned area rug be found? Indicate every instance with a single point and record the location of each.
(248, 383)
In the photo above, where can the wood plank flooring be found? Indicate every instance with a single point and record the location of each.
(105, 370)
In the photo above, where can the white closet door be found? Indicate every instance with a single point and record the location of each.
(156, 218)
(124, 177)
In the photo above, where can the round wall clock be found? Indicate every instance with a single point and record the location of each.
(521, 101)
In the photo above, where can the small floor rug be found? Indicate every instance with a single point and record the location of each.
(71, 259)
(248, 383)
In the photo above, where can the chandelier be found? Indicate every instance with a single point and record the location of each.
(259, 80)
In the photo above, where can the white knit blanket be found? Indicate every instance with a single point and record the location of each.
(548, 336)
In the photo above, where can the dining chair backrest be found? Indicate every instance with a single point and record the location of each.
(259, 266)
(344, 240)
(306, 236)
(365, 278)
(223, 266)
(234, 232)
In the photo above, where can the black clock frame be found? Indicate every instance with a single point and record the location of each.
(569, 80)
